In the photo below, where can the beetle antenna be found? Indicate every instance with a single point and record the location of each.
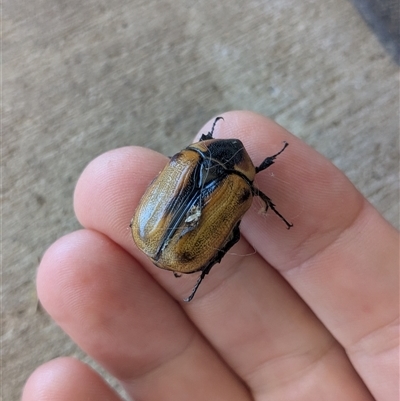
(270, 160)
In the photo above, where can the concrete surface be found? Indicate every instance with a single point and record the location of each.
(80, 78)
(383, 16)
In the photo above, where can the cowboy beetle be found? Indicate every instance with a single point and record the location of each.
(189, 216)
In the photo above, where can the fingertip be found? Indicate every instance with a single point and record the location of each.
(103, 178)
(55, 275)
(246, 125)
(306, 188)
(65, 379)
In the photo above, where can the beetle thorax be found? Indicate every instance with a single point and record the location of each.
(225, 154)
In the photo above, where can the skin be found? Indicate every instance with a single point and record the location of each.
(312, 315)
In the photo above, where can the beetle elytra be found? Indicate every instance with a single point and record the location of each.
(189, 216)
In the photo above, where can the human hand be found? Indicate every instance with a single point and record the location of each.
(313, 315)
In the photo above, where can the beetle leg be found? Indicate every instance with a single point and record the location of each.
(177, 275)
(270, 160)
(196, 286)
(210, 134)
(217, 258)
(269, 204)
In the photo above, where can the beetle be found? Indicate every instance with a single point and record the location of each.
(189, 216)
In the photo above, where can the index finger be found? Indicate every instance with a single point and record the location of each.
(341, 256)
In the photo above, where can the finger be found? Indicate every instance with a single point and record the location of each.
(242, 289)
(120, 316)
(66, 379)
(341, 257)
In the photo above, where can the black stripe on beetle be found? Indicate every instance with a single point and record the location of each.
(189, 216)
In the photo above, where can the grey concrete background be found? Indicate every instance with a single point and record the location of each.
(80, 78)
(383, 16)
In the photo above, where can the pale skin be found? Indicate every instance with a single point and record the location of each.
(312, 315)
